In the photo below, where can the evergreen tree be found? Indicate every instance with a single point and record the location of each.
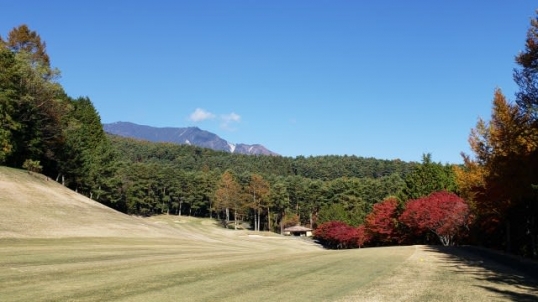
(428, 177)
(526, 75)
(39, 102)
(9, 77)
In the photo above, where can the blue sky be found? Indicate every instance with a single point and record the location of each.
(385, 79)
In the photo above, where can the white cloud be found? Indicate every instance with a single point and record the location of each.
(201, 115)
(228, 119)
(232, 117)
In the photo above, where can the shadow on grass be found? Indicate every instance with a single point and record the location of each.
(496, 268)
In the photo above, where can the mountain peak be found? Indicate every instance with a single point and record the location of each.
(186, 135)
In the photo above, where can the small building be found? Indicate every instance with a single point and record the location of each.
(298, 230)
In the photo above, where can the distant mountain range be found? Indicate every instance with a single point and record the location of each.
(189, 136)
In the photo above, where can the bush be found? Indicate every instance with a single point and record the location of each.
(339, 235)
(32, 165)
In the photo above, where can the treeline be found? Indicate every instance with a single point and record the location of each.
(192, 158)
(492, 199)
(157, 178)
(268, 192)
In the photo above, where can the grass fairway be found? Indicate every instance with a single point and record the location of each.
(163, 270)
(237, 266)
(58, 246)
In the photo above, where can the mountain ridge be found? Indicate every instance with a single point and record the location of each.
(184, 136)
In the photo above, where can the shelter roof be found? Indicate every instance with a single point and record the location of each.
(297, 228)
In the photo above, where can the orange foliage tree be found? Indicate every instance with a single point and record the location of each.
(499, 178)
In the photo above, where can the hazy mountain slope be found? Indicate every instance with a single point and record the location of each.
(189, 135)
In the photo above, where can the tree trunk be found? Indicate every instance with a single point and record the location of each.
(98, 193)
(162, 206)
(282, 223)
(269, 218)
(255, 221)
(235, 219)
(259, 220)
(227, 216)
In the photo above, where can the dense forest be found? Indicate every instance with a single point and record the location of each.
(350, 201)
(155, 178)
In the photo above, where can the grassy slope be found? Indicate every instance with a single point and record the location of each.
(56, 245)
(37, 207)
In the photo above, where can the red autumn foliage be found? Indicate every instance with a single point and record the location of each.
(443, 213)
(339, 235)
(381, 223)
(363, 236)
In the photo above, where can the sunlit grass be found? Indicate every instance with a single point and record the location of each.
(111, 269)
(56, 245)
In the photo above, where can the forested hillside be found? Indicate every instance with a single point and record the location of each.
(492, 199)
(193, 158)
(168, 178)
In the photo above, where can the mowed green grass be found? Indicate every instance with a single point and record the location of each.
(114, 269)
(227, 265)
(56, 245)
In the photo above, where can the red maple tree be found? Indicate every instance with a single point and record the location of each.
(362, 236)
(339, 235)
(381, 223)
(442, 212)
